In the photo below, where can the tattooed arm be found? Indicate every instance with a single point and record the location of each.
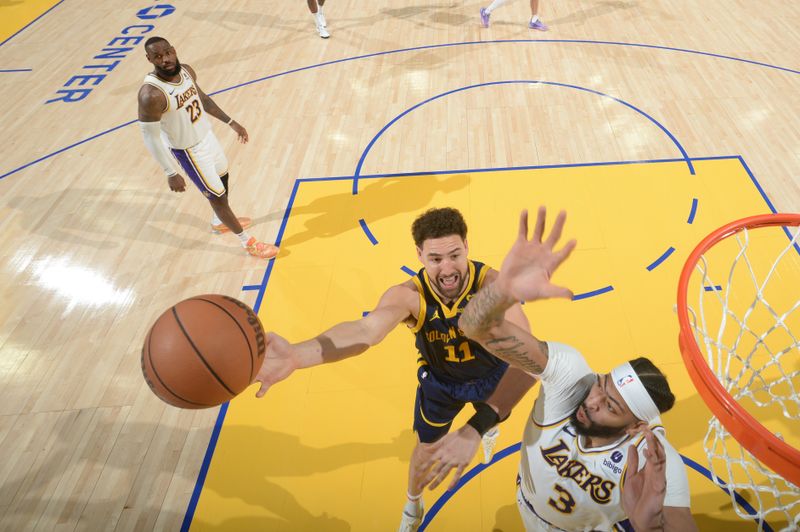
(524, 276)
(483, 320)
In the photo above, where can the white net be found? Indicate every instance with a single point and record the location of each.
(746, 320)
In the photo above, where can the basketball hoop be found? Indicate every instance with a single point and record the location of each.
(749, 355)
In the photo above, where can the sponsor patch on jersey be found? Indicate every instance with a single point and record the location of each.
(611, 466)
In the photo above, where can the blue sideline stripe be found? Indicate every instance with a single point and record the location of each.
(16, 70)
(525, 167)
(201, 477)
(693, 212)
(212, 444)
(766, 199)
(45, 157)
(661, 259)
(366, 230)
(31, 22)
(585, 295)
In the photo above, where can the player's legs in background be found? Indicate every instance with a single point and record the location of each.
(224, 213)
(315, 6)
(535, 22)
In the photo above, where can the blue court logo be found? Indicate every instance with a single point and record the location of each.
(156, 11)
(616, 456)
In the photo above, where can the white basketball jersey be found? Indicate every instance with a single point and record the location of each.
(184, 122)
(572, 487)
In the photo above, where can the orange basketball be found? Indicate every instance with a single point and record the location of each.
(203, 351)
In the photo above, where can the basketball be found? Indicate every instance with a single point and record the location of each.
(203, 351)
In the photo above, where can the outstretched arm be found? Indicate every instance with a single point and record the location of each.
(214, 110)
(341, 341)
(524, 276)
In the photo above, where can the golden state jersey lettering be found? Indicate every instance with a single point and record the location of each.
(440, 342)
(598, 488)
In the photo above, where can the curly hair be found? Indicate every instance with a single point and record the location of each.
(436, 223)
(654, 382)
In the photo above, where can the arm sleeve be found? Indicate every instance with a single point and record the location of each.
(565, 381)
(151, 131)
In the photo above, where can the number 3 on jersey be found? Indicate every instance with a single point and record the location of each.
(194, 110)
(565, 503)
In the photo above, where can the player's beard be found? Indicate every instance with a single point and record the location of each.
(593, 430)
(164, 73)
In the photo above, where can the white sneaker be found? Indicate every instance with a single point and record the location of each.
(412, 517)
(322, 31)
(487, 442)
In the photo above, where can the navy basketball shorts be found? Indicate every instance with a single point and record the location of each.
(439, 401)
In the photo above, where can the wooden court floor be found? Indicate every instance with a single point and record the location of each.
(94, 246)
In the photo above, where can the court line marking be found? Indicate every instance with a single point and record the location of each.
(413, 49)
(192, 507)
(31, 22)
(661, 259)
(380, 133)
(512, 449)
(9, 70)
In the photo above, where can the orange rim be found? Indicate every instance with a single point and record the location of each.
(752, 435)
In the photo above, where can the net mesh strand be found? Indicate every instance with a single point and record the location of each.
(751, 368)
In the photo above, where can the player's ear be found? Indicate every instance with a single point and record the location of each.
(636, 428)
(466, 246)
(419, 253)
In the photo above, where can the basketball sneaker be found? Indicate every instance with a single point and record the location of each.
(487, 442)
(322, 31)
(538, 25)
(412, 517)
(485, 18)
(218, 229)
(261, 249)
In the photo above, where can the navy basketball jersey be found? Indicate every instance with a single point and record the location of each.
(449, 354)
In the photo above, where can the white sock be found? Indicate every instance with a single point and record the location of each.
(319, 10)
(243, 238)
(318, 18)
(494, 5)
(215, 220)
(534, 18)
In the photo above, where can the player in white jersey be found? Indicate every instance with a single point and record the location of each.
(172, 113)
(594, 452)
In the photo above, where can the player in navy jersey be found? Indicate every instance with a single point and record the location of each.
(594, 454)
(453, 370)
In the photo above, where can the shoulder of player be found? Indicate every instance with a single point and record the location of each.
(490, 276)
(151, 98)
(405, 292)
(190, 70)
